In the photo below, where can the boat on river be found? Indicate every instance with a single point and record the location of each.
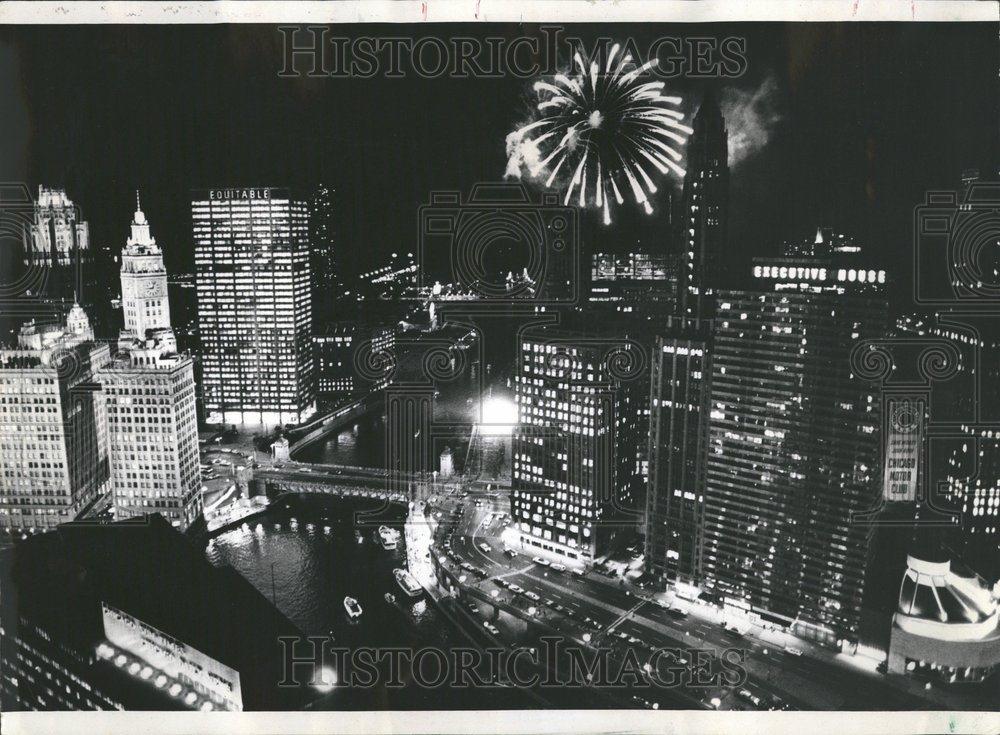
(352, 607)
(407, 583)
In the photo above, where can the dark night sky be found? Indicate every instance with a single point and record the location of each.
(871, 115)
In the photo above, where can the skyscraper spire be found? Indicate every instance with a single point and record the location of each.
(141, 235)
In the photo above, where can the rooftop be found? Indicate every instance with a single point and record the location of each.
(148, 569)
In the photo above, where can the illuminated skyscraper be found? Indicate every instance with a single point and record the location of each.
(678, 422)
(53, 443)
(149, 395)
(145, 304)
(254, 305)
(574, 445)
(58, 241)
(330, 263)
(706, 264)
(794, 442)
(153, 435)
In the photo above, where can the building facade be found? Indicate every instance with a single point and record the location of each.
(680, 386)
(794, 451)
(149, 394)
(333, 359)
(145, 304)
(566, 495)
(58, 236)
(634, 281)
(57, 254)
(153, 435)
(53, 435)
(706, 263)
(254, 306)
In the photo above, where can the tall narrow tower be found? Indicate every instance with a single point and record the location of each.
(149, 395)
(706, 265)
(144, 280)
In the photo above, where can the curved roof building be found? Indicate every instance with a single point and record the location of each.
(947, 623)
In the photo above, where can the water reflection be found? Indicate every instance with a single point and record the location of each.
(307, 573)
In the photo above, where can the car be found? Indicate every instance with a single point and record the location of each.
(747, 696)
(793, 650)
(532, 596)
(485, 548)
(540, 561)
(480, 573)
(578, 572)
(557, 567)
(778, 704)
(516, 589)
(471, 608)
(676, 613)
(491, 628)
(502, 583)
(510, 552)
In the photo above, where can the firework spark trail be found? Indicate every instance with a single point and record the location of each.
(607, 130)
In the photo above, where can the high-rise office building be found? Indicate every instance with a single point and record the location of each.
(53, 442)
(153, 435)
(331, 264)
(149, 393)
(794, 443)
(254, 306)
(568, 484)
(333, 359)
(706, 263)
(680, 383)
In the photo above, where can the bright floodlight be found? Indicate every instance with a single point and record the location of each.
(499, 415)
(326, 679)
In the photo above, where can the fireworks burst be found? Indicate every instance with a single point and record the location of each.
(607, 130)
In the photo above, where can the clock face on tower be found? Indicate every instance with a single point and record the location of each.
(151, 287)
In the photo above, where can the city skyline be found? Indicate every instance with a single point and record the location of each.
(804, 109)
(681, 389)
